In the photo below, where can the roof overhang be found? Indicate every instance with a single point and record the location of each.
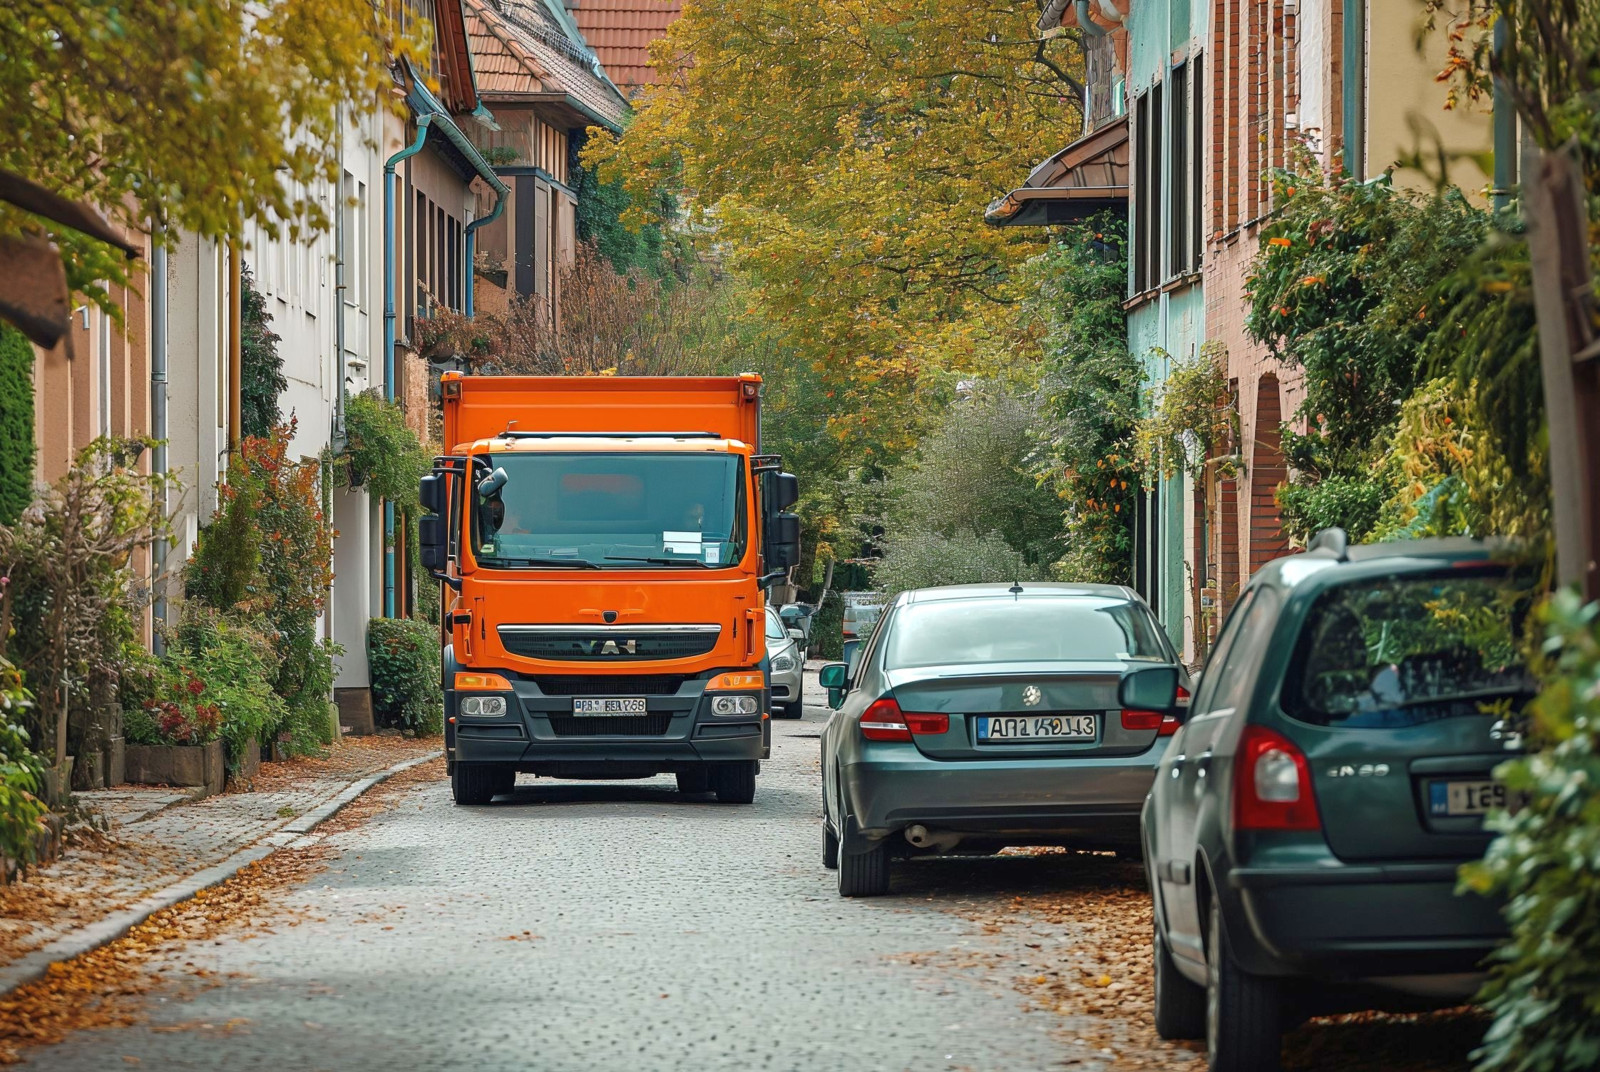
(565, 105)
(455, 148)
(1087, 177)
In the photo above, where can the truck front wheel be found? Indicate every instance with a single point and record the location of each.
(734, 783)
(479, 783)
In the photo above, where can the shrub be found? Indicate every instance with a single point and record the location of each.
(16, 424)
(1545, 985)
(67, 615)
(262, 383)
(285, 582)
(21, 775)
(403, 656)
(922, 560)
(382, 451)
(238, 664)
(180, 713)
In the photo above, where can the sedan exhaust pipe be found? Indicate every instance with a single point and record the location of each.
(923, 838)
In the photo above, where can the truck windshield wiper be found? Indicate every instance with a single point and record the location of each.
(659, 561)
(575, 563)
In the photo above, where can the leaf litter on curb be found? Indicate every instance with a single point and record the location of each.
(102, 988)
(1071, 933)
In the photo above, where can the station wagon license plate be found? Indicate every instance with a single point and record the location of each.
(1465, 798)
(608, 705)
(1037, 728)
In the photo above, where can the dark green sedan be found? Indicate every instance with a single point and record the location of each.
(985, 715)
(1333, 772)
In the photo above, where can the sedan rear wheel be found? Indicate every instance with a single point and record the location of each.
(1244, 1031)
(830, 846)
(864, 874)
(1180, 1004)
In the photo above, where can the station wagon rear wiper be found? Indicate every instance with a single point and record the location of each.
(658, 561)
(575, 563)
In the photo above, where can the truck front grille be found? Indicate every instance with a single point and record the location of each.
(608, 644)
(652, 725)
(618, 685)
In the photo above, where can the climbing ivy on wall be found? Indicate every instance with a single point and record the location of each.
(262, 381)
(16, 424)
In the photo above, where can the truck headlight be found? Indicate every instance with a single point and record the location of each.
(735, 705)
(783, 663)
(485, 706)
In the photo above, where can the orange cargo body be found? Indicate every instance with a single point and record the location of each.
(605, 539)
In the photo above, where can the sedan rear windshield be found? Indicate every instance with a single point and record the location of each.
(1406, 650)
(1036, 629)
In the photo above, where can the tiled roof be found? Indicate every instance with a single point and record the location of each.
(620, 32)
(520, 46)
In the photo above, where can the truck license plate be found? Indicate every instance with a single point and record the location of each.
(608, 705)
(1465, 798)
(1037, 728)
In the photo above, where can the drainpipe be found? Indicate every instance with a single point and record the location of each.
(1505, 130)
(339, 290)
(472, 230)
(1089, 26)
(423, 122)
(158, 425)
(236, 346)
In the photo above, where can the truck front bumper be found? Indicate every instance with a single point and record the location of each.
(539, 734)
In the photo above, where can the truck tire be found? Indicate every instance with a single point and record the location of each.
(1244, 1029)
(694, 781)
(734, 783)
(479, 783)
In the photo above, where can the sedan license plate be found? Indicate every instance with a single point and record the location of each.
(1465, 798)
(608, 705)
(1037, 728)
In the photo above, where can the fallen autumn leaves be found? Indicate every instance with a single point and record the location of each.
(98, 988)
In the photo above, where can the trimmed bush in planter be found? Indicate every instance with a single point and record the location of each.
(404, 659)
(177, 737)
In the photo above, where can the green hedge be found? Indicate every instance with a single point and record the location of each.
(403, 657)
(1545, 987)
(21, 774)
(16, 424)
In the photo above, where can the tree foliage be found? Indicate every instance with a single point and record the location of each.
(843, 152)
(1090, 386)
(198, 115)
(1344, 287)
(262, 367)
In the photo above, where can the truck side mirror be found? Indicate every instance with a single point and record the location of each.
(785, 491)
(432, 493)
(783, 541)
(431, 542)
(490, 485)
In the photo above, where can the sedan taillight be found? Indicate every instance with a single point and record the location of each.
(1145, 721)
(1272, 784)
(884, 721)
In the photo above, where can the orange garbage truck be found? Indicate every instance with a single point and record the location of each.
(607, 543)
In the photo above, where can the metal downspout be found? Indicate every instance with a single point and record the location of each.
(423, 122)
(1505, 130)
(158, 427)
(472, 230)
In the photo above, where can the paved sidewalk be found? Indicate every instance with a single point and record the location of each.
(156, 837)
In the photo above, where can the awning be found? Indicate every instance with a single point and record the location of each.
(1087, 177)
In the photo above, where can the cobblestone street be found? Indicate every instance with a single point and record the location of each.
(619, 926)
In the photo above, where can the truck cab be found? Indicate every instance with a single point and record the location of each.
(607, 544)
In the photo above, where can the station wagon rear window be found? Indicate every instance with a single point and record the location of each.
(1412, 649)
(1067, 629)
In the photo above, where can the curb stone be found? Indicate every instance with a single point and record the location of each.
(86, 939)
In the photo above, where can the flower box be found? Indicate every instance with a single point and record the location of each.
(178, 764)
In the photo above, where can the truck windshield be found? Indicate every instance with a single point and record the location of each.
(612, 511)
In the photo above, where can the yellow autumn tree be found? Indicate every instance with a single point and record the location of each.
(194, 114)
(841, 153)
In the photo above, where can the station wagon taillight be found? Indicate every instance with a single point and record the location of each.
(1272, 784)
(884, 721)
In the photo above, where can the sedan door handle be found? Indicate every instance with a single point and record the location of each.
(1203, 764)
(1177, 764)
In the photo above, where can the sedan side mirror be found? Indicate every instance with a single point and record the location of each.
(832, 677)
(1149, 688)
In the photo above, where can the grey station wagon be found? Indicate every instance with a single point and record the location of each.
(981, 716)
(1306, 827)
